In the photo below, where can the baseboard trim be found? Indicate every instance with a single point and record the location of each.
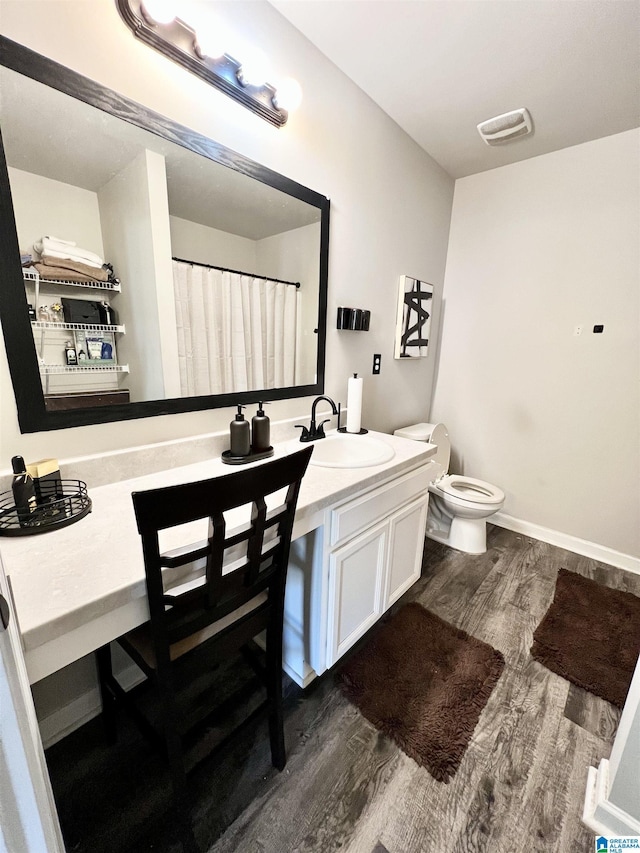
(600, 815)
(82, 709)
(570, 543)
(301, 680)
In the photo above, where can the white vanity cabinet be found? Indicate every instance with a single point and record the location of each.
(377, 541)
(343, 576)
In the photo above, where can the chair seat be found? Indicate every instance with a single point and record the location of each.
(140, 638)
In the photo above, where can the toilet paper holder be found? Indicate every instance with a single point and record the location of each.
(354, 319)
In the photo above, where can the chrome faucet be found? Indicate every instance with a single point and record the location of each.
(313, 432)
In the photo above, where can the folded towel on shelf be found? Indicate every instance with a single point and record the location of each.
(71, 256)
(60, 240)
(63, 249)
(101, 274)
(55, 273)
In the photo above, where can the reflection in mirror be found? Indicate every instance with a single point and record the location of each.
(154, 274)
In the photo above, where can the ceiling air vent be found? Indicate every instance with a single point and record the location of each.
(506, 127)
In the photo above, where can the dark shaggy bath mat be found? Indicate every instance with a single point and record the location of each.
(423, 683)
(590, 636)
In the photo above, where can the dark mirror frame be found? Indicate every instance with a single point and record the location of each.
(19, 341)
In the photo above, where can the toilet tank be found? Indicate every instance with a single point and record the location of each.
(433, 434)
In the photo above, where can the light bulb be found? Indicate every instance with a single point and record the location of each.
(288, 95)
(160, 11)
(210, 44)
(254, 67)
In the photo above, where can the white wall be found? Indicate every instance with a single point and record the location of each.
(536, 249)
(128, 218)
(390, 202)
(194, 242)
(46, 207)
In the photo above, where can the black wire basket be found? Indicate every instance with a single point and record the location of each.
(65, 502)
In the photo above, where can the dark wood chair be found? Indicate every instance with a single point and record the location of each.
(197, 622)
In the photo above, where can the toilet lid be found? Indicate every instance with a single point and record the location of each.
(440, 437)
(433, 434)
(468, 488)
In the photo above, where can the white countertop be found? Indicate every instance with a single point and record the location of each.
(65, 579)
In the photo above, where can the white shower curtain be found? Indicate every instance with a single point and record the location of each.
(235, 332)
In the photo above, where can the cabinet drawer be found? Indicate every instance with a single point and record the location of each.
(357, 514)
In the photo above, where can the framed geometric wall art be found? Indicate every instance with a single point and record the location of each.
(413, 318)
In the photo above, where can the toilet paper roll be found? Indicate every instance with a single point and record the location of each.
(354, 404)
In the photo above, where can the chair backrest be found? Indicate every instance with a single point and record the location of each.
(178, 612)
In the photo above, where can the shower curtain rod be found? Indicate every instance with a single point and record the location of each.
(238, 272)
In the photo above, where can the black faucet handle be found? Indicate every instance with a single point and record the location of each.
(320, 428)
(305, 432)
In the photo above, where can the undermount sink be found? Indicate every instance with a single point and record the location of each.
(343, 450)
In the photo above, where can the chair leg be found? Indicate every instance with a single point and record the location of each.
(173, 744)
(176, 766)
(105, 674)
(185, 831)
(274, 694)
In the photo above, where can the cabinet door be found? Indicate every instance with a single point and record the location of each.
(356, 575)
(30, 822)
(406, 546)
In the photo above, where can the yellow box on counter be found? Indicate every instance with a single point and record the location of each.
(46, 479)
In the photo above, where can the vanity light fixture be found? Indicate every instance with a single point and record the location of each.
(155, 22)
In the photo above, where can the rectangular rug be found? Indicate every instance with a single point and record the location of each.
(591, 636)
(423, 683)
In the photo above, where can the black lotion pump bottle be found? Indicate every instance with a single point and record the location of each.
(24, 492)
(240, 435)
(260, 431)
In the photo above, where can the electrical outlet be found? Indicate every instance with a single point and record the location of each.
(377, 358)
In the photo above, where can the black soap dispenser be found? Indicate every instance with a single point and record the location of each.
(240, 435)
(24, 492)
(260, 431)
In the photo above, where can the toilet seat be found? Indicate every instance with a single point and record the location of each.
(470, 489)
(460, 505)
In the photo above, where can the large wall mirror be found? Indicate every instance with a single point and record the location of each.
(146, 269)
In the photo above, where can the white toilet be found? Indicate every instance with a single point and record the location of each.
(459, 506)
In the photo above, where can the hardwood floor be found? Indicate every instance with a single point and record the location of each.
(520, 787)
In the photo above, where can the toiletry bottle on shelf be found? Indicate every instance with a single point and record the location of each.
(260, 431)
(107, 314)
(70, 354)
(24, 493)
(240, 435)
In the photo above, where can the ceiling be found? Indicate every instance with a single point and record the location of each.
(440, 67)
